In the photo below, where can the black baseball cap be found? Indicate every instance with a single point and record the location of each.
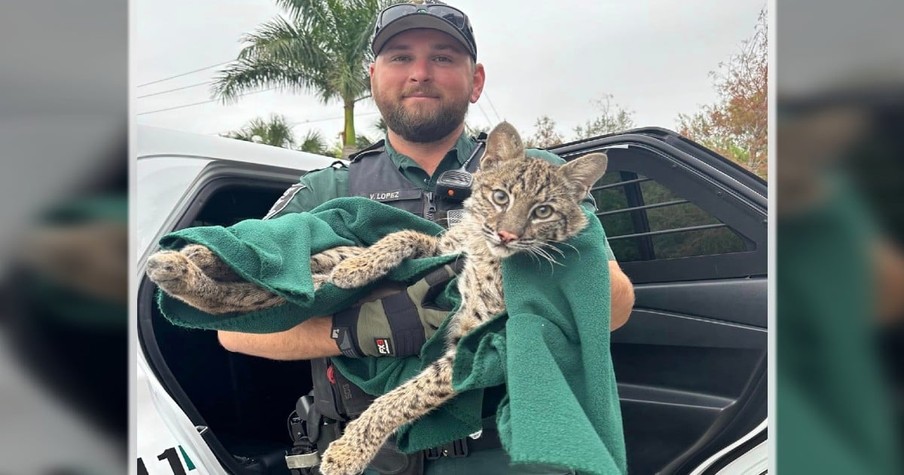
(431, 14)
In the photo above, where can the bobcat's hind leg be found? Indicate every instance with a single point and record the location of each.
(363, 437)
(181, 278)
(209, 263)
(171, 271)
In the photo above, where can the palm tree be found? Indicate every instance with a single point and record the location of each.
(380, 125)
(322, 47)
(275, 131)
(313, 143)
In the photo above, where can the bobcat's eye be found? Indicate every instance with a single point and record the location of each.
(542, 212)
(500, 197)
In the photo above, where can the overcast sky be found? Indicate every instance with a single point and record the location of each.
(541, 58)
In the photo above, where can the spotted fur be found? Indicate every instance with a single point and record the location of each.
(196, 276)
(493, 228)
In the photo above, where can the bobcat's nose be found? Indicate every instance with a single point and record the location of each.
(506, 237)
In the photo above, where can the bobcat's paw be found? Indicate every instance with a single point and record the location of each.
(201, 256)
(344, 458)
(325, 261)
(319, 280)
(209, 263)
(353, 273)
(197, 253)
(167, 268)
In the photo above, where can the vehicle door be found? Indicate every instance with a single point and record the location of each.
(689, 228)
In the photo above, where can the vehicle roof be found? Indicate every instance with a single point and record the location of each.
(155, 142)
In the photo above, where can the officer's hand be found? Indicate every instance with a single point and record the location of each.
(395, 321)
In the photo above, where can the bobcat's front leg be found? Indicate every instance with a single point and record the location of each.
(384, 255)
(351, 453)
(324, 262)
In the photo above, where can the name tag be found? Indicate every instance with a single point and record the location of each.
(395, 195)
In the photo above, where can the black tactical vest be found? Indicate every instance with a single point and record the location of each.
(373, 175)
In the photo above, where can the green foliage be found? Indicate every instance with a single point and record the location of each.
(380, 125)
(275, 131)
(313, 142)
(362, 141)
(613, 118)
(736, 126)
(323, 47)
(545, 134)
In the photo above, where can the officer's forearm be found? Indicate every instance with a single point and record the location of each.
(311, 339)
(305, 341)
(622, 296)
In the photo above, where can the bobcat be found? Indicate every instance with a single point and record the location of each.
(517, 204)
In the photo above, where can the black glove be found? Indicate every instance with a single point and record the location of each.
(394, 321)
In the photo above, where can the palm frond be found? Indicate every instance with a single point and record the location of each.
(244, 75)
(275, 131)
(318, 46)
(280, 41)
(313, 142)
(306, 11)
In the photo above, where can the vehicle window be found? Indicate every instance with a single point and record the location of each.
(646, 221)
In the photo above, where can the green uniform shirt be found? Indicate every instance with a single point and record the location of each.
(320, 186)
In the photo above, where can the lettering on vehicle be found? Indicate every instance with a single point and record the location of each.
(173, 459)
(383, 196)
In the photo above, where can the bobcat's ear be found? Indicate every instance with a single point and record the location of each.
(503, 143)
(584, 171)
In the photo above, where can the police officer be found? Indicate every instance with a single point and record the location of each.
(424, 76)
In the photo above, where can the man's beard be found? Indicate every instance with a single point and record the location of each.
(422, 127)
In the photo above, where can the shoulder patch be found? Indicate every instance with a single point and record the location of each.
(284, 200)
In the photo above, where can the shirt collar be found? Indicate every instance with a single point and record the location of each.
(461, 151)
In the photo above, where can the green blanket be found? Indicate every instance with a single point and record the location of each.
(551, 350)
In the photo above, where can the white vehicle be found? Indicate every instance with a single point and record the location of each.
(687, 225)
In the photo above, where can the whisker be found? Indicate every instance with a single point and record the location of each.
(533, 255)
(529, 250)
(554, 248)
(576, 250)
(546, 255)
(565, 243)
(540, 254)
(549, 247)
